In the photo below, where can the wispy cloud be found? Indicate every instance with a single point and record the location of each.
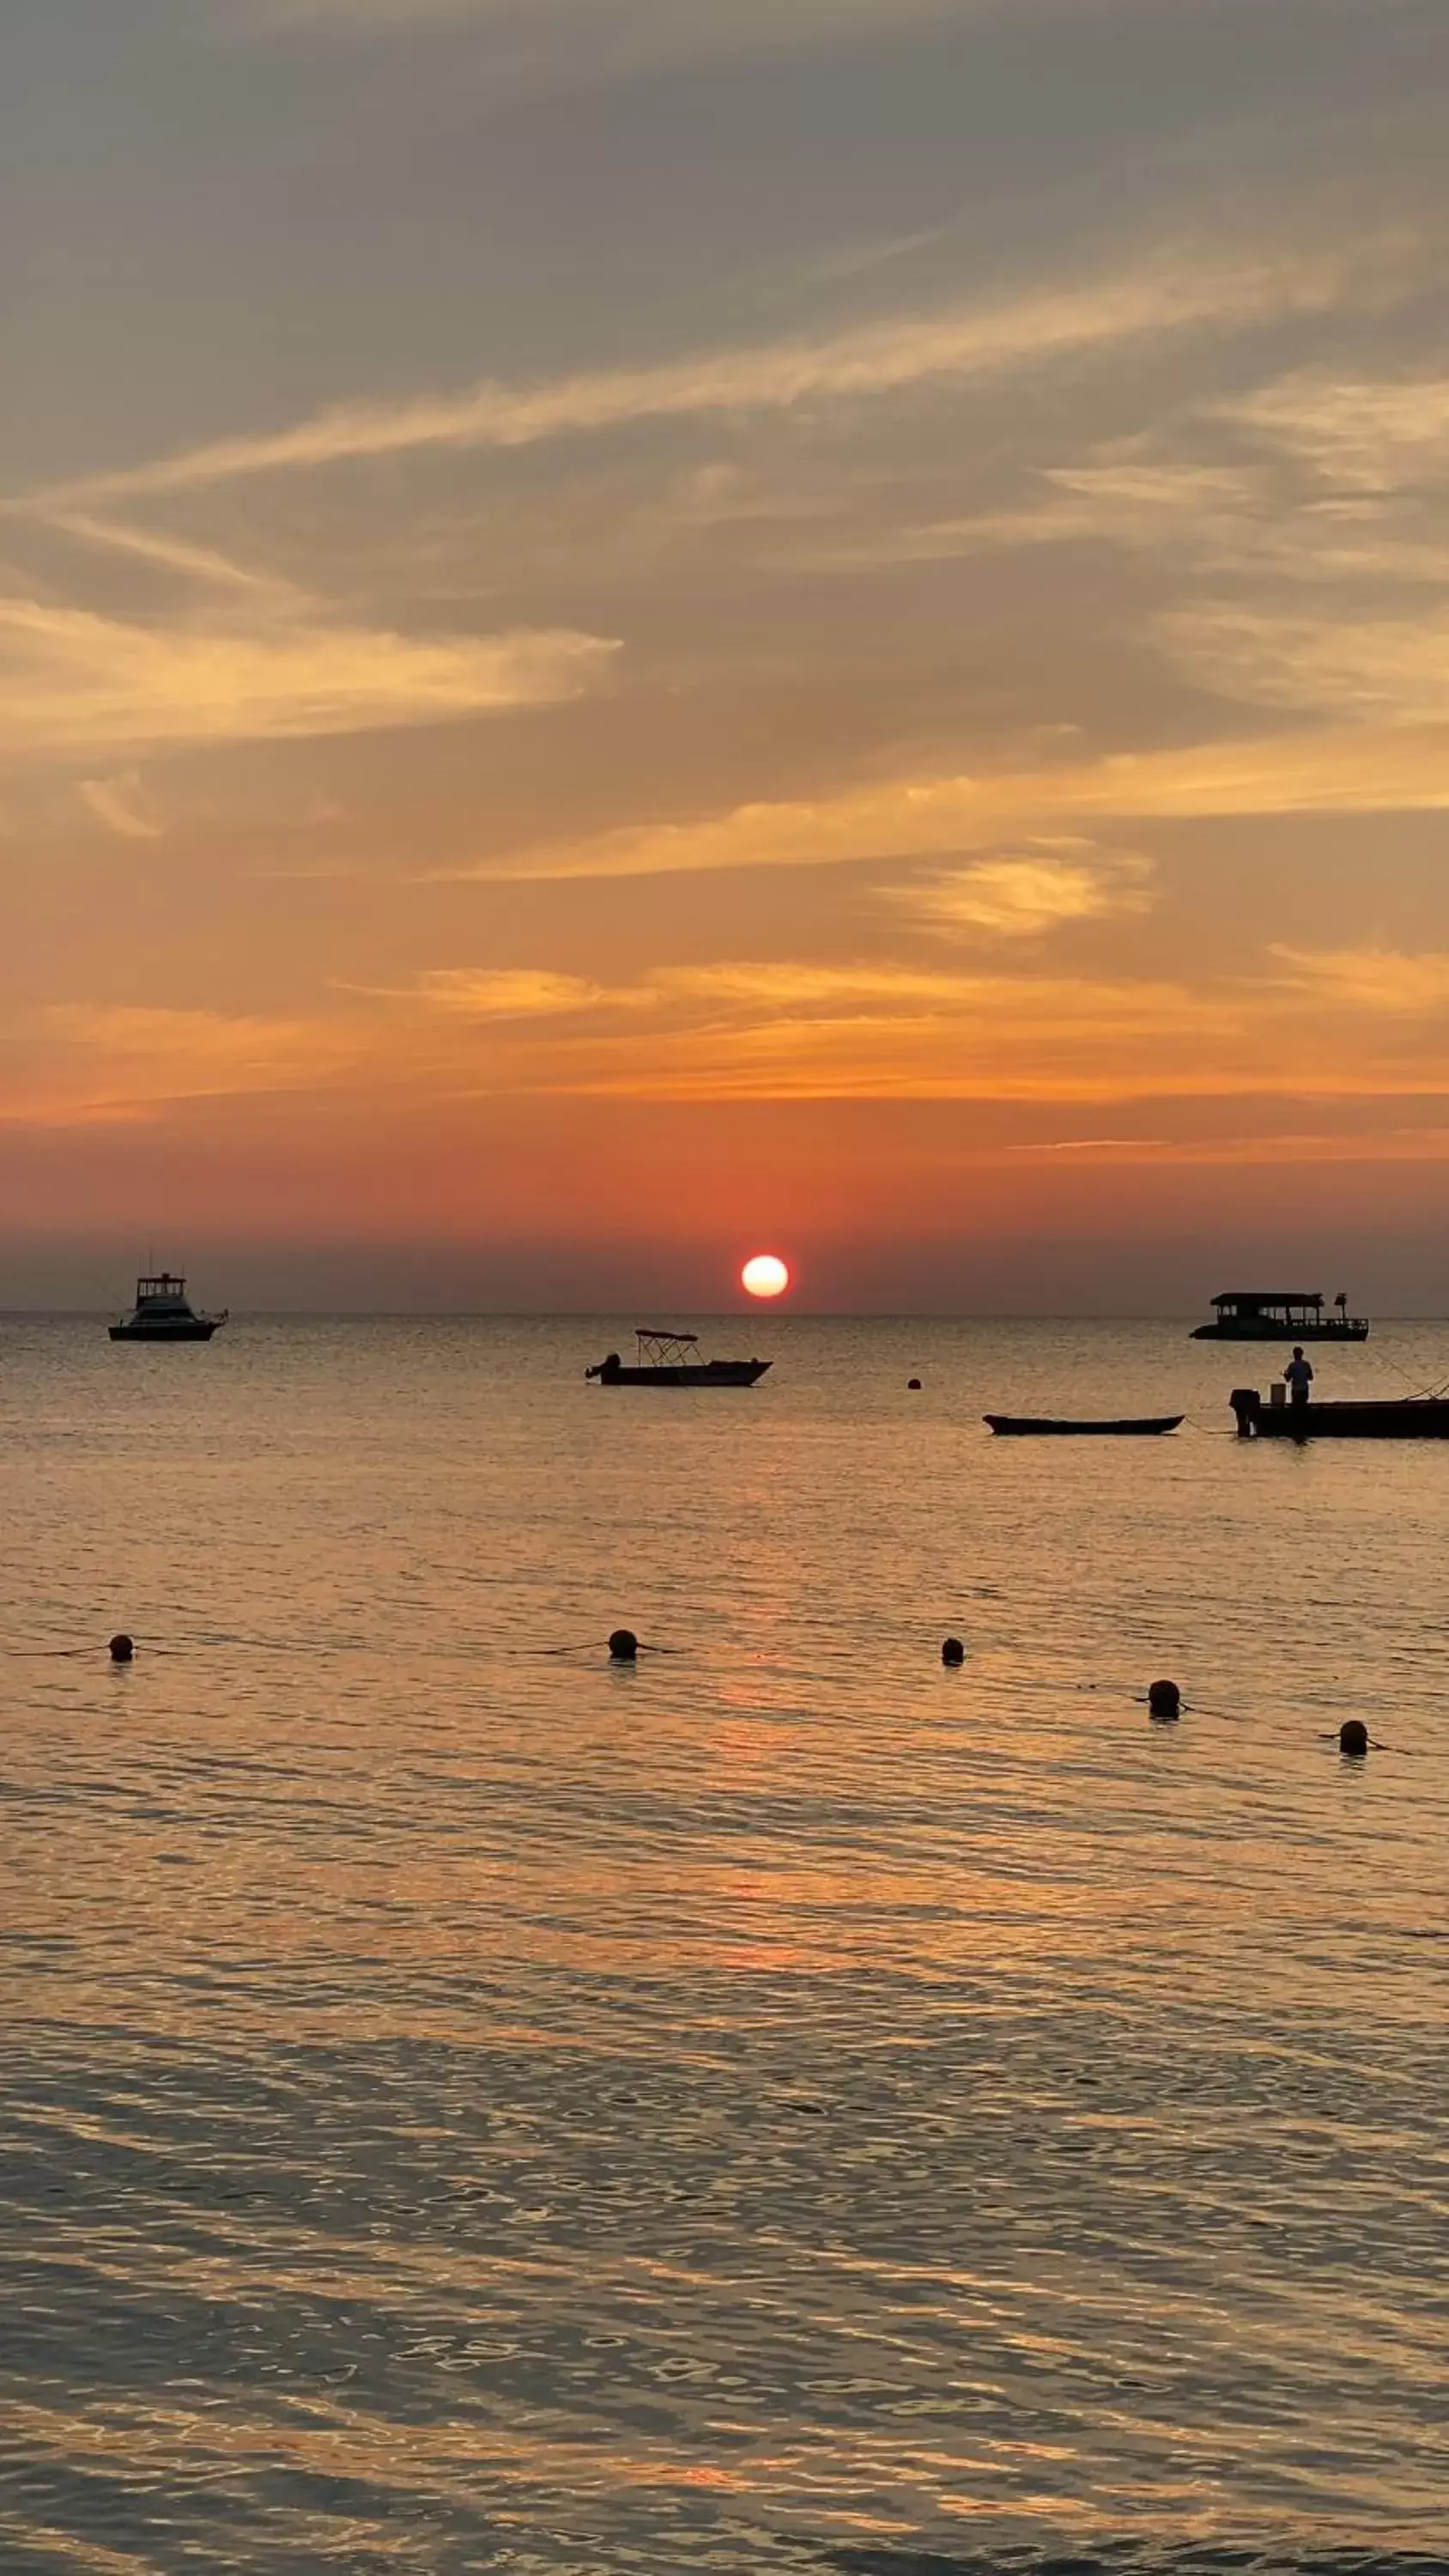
(72, 681)
(508, 992)
(85, 1062)
(1362, 770)
(1019, 894)
(163, 551)
(1359, 432)
(1278, 1149)
(122, 804)
(797, 1030)
(1371, 979)
(782, 1029)
(1361, 667)
(1184, 289)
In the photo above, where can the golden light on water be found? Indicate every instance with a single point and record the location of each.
(765, 1275)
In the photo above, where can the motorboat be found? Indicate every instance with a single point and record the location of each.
(670, 1359)
(1281, 1315)
(1031, 1425)
(162, 1313)
(1388, 1417)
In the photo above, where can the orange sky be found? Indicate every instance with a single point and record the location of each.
(627, 632)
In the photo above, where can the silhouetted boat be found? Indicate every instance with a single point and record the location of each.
(1390, 1417)
(161, 1314)
(665, 1359)
(1032, 1425)
(1281, 1315)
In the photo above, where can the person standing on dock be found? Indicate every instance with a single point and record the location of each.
(1298, 1376)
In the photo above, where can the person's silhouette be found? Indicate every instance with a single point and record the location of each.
(1298, 1376)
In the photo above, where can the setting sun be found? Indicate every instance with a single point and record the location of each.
(765, 1275)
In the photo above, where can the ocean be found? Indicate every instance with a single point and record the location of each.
(780, 2106)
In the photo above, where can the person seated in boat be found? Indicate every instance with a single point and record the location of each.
(1298, 1376)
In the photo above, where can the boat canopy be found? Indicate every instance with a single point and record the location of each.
(1252, 1300)
(658, 1347)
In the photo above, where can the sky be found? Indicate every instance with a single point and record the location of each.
(632, 630)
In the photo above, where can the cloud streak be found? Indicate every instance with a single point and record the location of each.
(1371, 979)
(778, 1029)
(73, 681)
(1176, 292)
(88, 1063)
(1360, 667)
(1400, 768)
(123, 806)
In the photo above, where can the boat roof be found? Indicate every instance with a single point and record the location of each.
(661, 1333)
(1270, 1297)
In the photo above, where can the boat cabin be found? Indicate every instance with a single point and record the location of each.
(163, 1295)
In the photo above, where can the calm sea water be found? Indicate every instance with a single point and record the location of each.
(784, 2106)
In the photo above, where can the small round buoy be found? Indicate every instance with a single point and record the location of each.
(623, 1646)
(953, 1652)
(1353, 1738)
(913, 1385)
(122, 1649)
(1165, 1699)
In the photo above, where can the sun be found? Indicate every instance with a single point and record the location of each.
(765, 1275)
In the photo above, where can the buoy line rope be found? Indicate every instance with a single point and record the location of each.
(589, 1646)
(304, 1646)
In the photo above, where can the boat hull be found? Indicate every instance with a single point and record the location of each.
(707, 1373)
(1269, 1332)
(1031, 1426)
(199, 1329)
(1394, 1418)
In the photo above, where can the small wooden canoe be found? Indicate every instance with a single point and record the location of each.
(1024, 1425)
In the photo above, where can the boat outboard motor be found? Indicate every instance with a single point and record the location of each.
(1247, 1404)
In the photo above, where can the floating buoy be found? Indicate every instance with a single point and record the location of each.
(953, 1652)
(122, 1649)
(1165, 1699)
(623, 1646)
(1353, 1738)
(913, 1385)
